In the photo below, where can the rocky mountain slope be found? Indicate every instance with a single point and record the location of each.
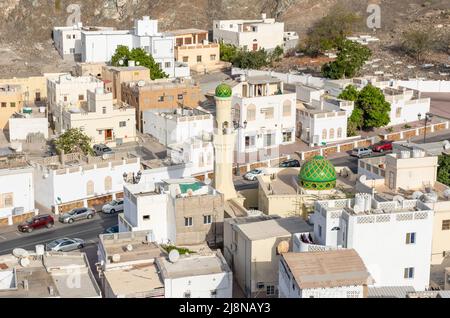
(25, 25)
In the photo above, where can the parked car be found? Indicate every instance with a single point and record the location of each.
(65, 245)
(112, 229)
(77, 214)
(36, 222)
(290, 163)
(361, 152)
(382, 146)
(252, 174)
(113, 206)
(102, 149)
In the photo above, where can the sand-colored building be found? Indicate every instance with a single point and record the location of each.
(160, 94)
(11, 101)
(192, 47)
(113, 77)
(89, 69)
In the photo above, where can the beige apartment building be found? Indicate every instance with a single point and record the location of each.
(251, 248)
(11, 101)
(113, 77)
(192, 47)
(160, 94)
(89, 69)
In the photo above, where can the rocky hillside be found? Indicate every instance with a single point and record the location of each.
(25, 25)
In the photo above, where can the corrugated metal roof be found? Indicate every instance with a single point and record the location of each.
(390, 291)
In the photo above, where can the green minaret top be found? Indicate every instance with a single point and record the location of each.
(223, 90)
(317, 174)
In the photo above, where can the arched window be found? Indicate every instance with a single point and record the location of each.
(324, 134)
(251, 112)
(339, 132)
(90, 187)
(108, 183)
(332, 133)
(287, 108)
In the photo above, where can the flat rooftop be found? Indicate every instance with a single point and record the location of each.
(390, 291)
(327, 269)
(185, 31)
(142, 279)
(264, 79)
(274, 228)
(127, 68)
(193, 265)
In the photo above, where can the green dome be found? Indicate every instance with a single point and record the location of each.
(223, 90)
(317, 174)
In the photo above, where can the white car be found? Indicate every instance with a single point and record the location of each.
(113, 207)
(252, 174)
(65, 245)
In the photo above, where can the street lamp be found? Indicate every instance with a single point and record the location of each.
(428, 117)
(238, 126)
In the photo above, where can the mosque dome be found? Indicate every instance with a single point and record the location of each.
(223, 90)
(317, 174)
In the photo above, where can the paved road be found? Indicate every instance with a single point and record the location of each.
(87, 230)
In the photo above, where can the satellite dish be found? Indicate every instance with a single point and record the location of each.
(129, 247)
(120, 62)
(174, 256)
(417, 195)
(363, 179)
(141, 83)
(283, 247)
(24, 262)
(20, 253)
(116, 258)
(208, 181)
(398, 198)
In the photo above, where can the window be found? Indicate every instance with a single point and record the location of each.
(122, 123)
(65, 98)
(249, 141)
(146, 217)
(213, 57)
(409, 272)
(324, 134)
(187, 294)
(445, 225)
(180, 96)
(270, 290)
(410, 238)
(287, 108)
(268, 113)
(80, 97)
(251, 112)
(100, 132)
(339, 132)
(398, 112)
(160, 98)
(6, 200)
(179, 42)
(199, 58)
(269, 140)
(168, 64)
(188, 41)
(207, 219)
(3, 104)
(104, 110)
(108, 183)
(185, 59)
(188, 221)
(73, 36)
(287, 136)
(12, 104)
(90, 187)
(332, 133)
(320, 231)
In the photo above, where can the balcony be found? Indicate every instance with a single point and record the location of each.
(304, 242)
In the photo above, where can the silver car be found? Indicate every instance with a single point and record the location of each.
(77, 214)
(65, 245)
(113, 206)
(361, 152)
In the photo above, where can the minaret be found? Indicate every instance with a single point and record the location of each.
(224, 140)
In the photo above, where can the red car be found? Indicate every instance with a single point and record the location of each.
(36, 222)
(382, 146)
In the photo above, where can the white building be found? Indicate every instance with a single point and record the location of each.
(250, 35)
(177, 126)
(101, 119)
(265, 114)
(200, 275)
(30, 121)
(180, 211)
(100, 46)
(197, 151)
(392, 237)
(321, 120)
(68, 91)
(323, 274)
(67, 40)
(75, 178)
(16, 189)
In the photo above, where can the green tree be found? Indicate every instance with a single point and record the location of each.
(277, 54)
(443, 173)
(355, 122)
(74, 140)
(349, 93)
(418, 43)
(228, 52)
(251, 59)
(374, 107)
(350, 59)
(141, 57)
